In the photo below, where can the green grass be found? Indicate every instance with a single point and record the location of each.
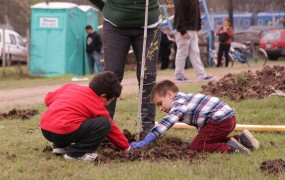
(14, 78)
(21, 155)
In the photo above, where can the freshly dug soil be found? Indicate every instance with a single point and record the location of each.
(47, 148)
(248, 85)
(273, 166)
(165, 148)
(23, 114)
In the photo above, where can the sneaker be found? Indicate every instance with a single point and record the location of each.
(58, 151)
(183, 80)
(236, 146)
(85, 157)
(208, 78)
(248, 140)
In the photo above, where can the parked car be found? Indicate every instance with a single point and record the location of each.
(273, 42)
(15, 48)
(246, 36)
(265, 28)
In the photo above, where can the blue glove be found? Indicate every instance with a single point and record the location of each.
(146, 141)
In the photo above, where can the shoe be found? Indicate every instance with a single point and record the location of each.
(248, 140)
(183, 80)
(85, 157)
(58, 151)
(208, 78)
(236, 146)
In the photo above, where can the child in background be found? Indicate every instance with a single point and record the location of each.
(76, 121)
(165, 47)
(214, 119)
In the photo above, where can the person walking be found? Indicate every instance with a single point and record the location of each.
(225, 34)
(187, 20)
(123, 27)
(93, 49)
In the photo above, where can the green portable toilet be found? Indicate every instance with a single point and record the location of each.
(57, 39)
(91, 18)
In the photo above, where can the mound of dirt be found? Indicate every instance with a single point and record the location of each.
(23, 114)
(273, 166)
(165, 148)
(248, 85)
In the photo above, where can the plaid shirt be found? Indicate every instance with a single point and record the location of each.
(193, 109)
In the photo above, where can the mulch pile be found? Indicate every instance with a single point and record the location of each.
(273, 166)
(248, 85)
(23, 114)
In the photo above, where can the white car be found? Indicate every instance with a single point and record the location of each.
(15, 48)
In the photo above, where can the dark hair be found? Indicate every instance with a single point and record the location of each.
(106, 83)
(228, 20)
(162, 87)
(88, 27)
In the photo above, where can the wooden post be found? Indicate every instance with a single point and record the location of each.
(4, 54)
(139, 118)
(240, 127)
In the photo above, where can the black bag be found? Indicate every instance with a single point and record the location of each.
(223, 37)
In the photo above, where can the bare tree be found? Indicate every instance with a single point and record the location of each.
(18, 11)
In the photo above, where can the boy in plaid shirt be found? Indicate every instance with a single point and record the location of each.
(213, 118)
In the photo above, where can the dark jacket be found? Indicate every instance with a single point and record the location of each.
(128, 13)
(187, 15)
(93, 43)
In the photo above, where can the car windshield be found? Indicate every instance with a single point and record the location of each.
(20, 41)
(271, 35)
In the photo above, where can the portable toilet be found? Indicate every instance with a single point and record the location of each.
(91, 18)
(57, 39)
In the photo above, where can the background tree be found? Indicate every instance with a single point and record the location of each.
(17, 12)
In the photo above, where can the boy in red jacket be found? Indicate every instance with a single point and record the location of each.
(76, 121)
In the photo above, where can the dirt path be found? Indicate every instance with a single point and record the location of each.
(19, 97)
(33, 95)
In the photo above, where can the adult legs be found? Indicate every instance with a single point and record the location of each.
(194, 55)
(181, 54)
(214, 136)
(153, 40)
(227, 57)
(220, 54)
(85, 139)
(91, 63)
(96, 56)
(117, 44)
(223, 49)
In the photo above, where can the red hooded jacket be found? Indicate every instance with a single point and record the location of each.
(70, 105)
